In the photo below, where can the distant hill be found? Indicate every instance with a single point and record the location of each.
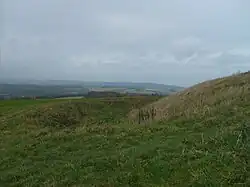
(153, 86)
(40, 82)
(92, 83)
(31, 90)
(71, 87)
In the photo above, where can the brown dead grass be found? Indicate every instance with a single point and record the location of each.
(202, 99)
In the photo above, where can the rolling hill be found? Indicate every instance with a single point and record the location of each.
(204, 99)
(199, 136)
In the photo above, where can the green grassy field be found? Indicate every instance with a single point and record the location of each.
(92, 142)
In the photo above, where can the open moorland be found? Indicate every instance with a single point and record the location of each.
(196, 137)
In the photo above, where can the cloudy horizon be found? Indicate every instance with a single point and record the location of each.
(163, 41)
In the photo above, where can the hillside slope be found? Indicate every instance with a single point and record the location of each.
(215, 116)
(200, 138)
(204, 99)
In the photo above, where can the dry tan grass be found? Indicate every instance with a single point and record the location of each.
(202, 99)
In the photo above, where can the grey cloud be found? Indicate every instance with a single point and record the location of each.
(172, 42)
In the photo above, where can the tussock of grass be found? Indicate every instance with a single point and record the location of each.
(67, 114)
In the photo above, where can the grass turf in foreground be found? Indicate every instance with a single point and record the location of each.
(206, 151)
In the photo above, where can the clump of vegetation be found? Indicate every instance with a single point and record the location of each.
(67, 114)
(146, 114)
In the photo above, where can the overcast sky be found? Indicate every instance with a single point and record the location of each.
(165, 41)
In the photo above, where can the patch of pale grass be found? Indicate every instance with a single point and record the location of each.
(202, 99)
